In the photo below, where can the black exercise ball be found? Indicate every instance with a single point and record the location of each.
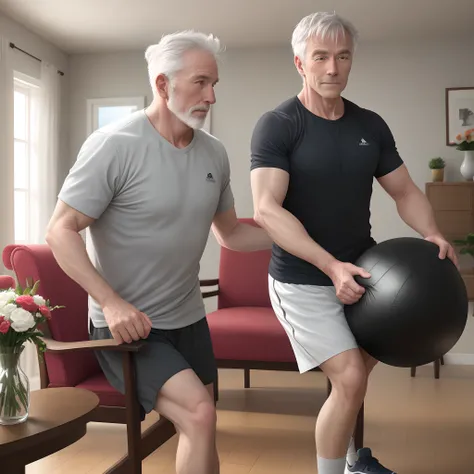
(415, 306)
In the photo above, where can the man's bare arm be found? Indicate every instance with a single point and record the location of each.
(415, 209)
(235, 235)
(125, 322)
(269, 188)
(70, 252)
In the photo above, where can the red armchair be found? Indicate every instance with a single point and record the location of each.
(6, 282)
(70, 362)
(244, 329)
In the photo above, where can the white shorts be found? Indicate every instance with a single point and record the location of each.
(313, 318)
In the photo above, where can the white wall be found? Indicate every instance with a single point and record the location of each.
(37, 46)
(403, 81)
(32, 43)
(47, 52)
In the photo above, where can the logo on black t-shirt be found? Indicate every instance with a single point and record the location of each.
(363, 142)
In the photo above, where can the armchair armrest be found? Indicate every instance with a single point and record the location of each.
(101, 344)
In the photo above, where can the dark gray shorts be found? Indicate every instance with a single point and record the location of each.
(166, 353)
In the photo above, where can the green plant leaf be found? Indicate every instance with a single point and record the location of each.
(35, 288)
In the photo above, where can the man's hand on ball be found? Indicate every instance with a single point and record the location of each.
(445, 248)
(347, 289)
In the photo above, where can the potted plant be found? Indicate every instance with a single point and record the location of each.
(437, 169)
(467, 245)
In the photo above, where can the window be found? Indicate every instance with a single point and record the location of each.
(101, 112)
(23, 155)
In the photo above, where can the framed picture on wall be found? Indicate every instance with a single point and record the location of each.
(459, 111)
(101, 112)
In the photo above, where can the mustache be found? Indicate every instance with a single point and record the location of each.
(200, 108)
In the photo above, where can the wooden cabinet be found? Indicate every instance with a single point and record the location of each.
(453, 205)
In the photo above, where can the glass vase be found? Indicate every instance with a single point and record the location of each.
(14, 387)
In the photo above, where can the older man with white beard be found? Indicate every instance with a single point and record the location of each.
(149, 188)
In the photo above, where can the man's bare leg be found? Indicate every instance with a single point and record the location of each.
(370, 363)
(185, 401)
(210, 389)
(335, 425)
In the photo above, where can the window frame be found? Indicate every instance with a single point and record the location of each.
(93, 106)
(24, 84)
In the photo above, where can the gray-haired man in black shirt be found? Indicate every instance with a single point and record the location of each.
(314, 158)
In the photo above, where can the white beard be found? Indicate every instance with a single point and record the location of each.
(186, 117)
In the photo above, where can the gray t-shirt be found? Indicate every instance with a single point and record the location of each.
(154, 205)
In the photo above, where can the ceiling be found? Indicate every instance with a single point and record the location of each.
(82, 26)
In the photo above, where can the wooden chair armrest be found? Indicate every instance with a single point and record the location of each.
(209, 294)
(101, 344)
(213, 282)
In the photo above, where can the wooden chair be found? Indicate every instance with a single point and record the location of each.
(437, 366)
(69, 360)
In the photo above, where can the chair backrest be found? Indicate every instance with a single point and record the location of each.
(37, 262)
(243, 277)
(6, 282)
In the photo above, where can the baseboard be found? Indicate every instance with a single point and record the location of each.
(459, 359)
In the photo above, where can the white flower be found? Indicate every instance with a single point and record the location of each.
(7, 310)
(21, 320)
(39, 300)
(6, 296)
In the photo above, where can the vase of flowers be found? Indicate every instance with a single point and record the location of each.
(22, 311)
(465, 142)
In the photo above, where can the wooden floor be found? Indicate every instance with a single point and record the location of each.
(415, 426)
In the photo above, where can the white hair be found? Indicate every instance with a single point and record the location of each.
(324, 25)
(166, 56)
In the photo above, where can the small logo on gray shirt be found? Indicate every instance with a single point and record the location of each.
(210, 178)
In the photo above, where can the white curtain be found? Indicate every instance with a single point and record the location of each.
(45, 159)
(29, 362)
(6, 149)
(44, 162)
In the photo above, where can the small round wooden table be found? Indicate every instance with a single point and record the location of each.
(58, 417)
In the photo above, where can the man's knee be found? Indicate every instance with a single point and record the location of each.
(348, 375)
(186, 402)
(352, 382)
(203, 417)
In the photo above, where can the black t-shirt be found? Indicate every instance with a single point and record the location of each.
(331, 164)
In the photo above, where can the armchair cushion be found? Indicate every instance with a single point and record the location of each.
(108, 395)
(249, 333)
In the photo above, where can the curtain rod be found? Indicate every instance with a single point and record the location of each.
(13, 46)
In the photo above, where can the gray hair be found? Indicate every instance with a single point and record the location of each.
(166, 56)
(322, 25)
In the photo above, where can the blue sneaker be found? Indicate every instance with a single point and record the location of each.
(367, 464)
